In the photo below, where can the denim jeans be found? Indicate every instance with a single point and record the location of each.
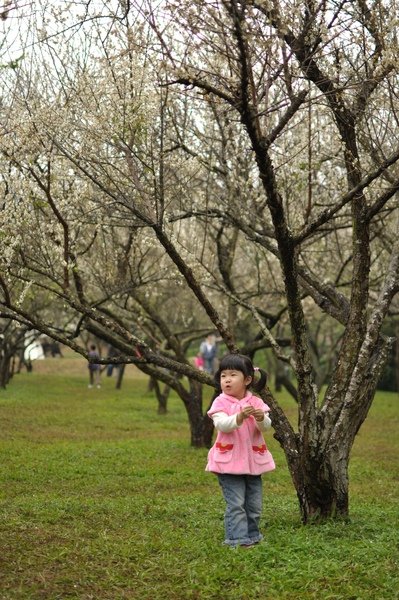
(243, 496)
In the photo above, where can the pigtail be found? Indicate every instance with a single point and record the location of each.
(260, 383)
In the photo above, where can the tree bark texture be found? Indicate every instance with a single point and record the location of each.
(320, 470)
(5, 362)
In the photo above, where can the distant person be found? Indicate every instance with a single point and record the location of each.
(208, 351)
(112, 352)
(55, 349)
(94, 368)
(46, 345)
(239, 455)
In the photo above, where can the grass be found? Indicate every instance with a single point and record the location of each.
(101, 498)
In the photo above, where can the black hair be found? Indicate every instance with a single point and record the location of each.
(240, 362)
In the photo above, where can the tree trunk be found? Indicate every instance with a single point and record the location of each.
(4, 370)
(13, 366)
(323, 488)
(193, 403)
(163, 400)
(162, 395)
(208, 427)
(397, 358)
(201, 426)
(319, 468)
(5, 367)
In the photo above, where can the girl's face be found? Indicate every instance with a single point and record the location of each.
(234, 383)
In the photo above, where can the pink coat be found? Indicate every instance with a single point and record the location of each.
(242, 451)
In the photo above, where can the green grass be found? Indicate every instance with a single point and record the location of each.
(101, 498)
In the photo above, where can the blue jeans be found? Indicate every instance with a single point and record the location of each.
(243, 496)
(208, 365)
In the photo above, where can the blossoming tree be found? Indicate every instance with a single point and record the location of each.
(202, 165)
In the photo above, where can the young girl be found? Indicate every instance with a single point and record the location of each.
(239, 455)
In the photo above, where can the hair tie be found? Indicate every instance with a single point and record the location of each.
(256, 368)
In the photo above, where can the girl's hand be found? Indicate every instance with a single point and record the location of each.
(246, 412)
(258, 414)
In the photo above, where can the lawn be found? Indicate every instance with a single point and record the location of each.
(101, 498)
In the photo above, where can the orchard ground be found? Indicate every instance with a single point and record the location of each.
(101, 498)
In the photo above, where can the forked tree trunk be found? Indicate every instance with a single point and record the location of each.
(320, 474)
(323, 488)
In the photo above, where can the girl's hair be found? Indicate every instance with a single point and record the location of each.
(240, 362)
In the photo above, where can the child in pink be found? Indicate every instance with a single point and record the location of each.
(199, 362)
(240, 455)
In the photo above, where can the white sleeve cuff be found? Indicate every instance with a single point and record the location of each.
(265, 424)
(225, 423)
